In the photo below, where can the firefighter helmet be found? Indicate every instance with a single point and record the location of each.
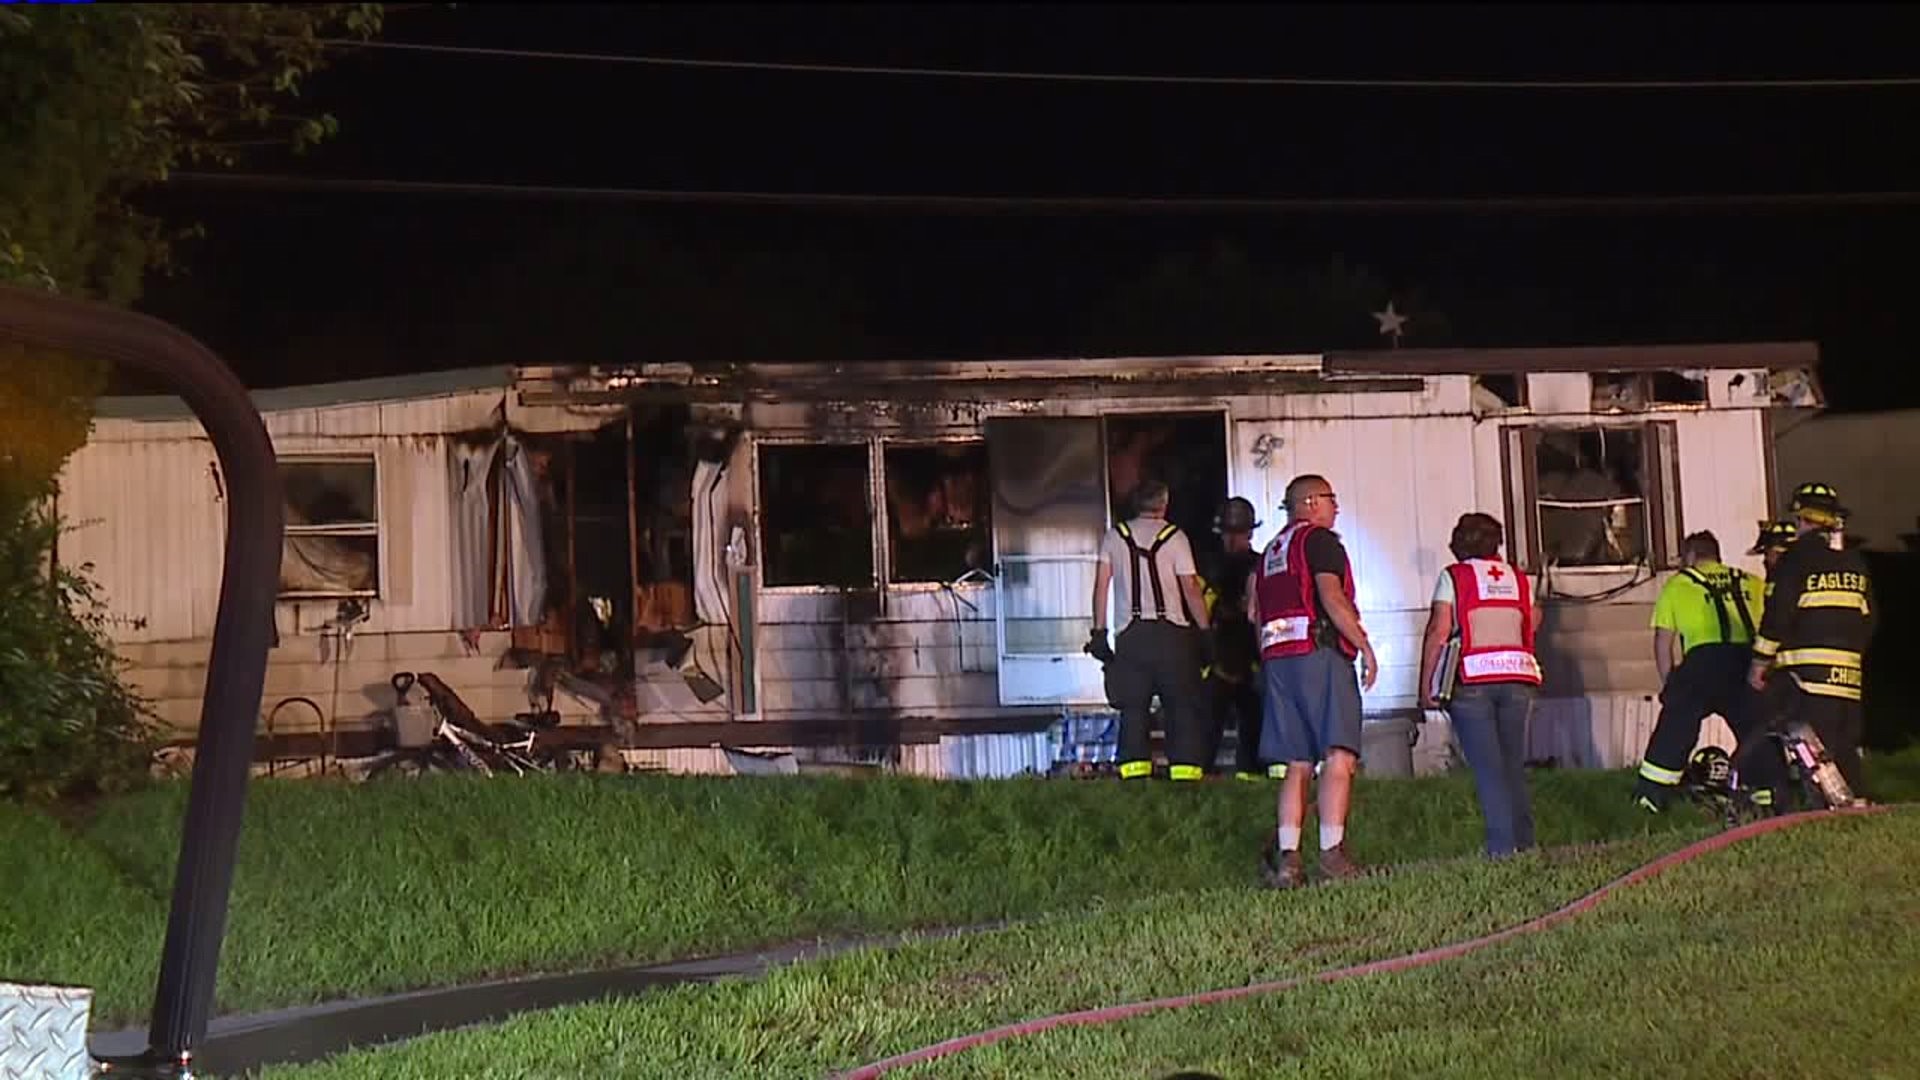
(1236, 515)
(1774, 535)
(1818, 503)
(1709, 768)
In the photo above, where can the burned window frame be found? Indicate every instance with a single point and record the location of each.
(1645, 384)
(760, 524)
(1663, 514)
(375, 528)
(887, 567)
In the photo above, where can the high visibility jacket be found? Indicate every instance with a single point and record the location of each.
(1289, 621)
(1820, 617)
(1494, 608)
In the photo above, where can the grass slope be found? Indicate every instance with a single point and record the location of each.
(1806, 976)
(353, 890)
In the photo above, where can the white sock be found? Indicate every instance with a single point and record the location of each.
(1331, 835)
(1289, 838)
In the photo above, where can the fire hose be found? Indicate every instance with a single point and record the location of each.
(1111, 1013)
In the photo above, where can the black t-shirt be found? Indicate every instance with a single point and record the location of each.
(1325, 555)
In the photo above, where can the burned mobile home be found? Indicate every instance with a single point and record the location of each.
(767, 567)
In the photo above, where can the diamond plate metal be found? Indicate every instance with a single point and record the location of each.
(43, 1032)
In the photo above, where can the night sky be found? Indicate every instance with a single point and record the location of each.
(300, 286)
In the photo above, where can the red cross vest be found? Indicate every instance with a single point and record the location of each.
(1494, 608)
(1289, 625)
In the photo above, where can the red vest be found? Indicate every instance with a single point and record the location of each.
(1285, 590)
(1494, 607)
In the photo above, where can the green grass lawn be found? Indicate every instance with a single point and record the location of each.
(1793, 954)
(352, 890)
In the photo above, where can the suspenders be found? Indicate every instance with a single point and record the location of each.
(1146, 555)
(1719, 596)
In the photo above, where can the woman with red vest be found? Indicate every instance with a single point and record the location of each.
(1486, 604)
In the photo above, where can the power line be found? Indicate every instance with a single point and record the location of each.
(1298, 82)
(1079, 203)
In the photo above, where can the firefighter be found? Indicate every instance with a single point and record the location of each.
(1487, 603)
(1710, 611)
(1231, 679)
(1300, 599)
(1775, 538)
(1813, 637)
(1149, 563)
(1755, 755)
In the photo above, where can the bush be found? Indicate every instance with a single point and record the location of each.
(69, 728)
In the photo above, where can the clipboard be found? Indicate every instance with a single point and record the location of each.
(1446, 671)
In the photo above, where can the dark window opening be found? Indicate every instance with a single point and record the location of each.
(1187, 451)
(332, 544)
(816, 519)
(1499, 392)
(938, 512)
(1592, 496)
(1673, 388)
(1628, 391)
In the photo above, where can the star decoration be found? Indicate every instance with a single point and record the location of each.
(1392, 323)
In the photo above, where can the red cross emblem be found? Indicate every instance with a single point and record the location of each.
(1496, 573)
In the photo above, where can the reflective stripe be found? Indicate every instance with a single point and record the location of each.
(1827, 657)
(1663, 777)
(1765, 646)
(1248, 776)
(1277, 771)
(1133, 770)
(1834, 598)
(1505, 662)
(1284, 631)
(1186, 772)
(1763, 797)
(1832, 690)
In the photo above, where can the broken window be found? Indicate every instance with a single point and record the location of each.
(816, 518)
(1628, 391)
(938, 524)
(332, 545)
(1596, 496)
(1491, 393)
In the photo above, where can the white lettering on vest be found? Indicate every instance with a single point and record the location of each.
(1507, 662)
(1284, 631)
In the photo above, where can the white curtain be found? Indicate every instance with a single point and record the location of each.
(498, 544)
(524, 555)
(468, 467)
(710, 572)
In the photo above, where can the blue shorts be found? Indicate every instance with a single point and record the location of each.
(1311, 706)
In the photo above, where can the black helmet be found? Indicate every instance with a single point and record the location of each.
(1818, 503)
(1709, 768)
(1236, 515)
(1774, 535)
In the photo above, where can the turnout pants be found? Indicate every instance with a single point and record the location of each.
(1239, 701)
(1152, 656)
(1837, 721)
(1710, 679)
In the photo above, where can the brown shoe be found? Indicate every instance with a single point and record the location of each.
(1337, 865)
(1282, 869)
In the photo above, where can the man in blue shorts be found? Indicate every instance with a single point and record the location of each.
(1301, 602)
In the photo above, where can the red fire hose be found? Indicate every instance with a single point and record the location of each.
(1109, 1014)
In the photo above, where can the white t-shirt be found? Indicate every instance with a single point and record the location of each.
(1174, 561)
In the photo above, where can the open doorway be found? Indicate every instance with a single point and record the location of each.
(622, 519)
(1188, 451)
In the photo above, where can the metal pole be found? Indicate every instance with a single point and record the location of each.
(243, 631)
(633, 542)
